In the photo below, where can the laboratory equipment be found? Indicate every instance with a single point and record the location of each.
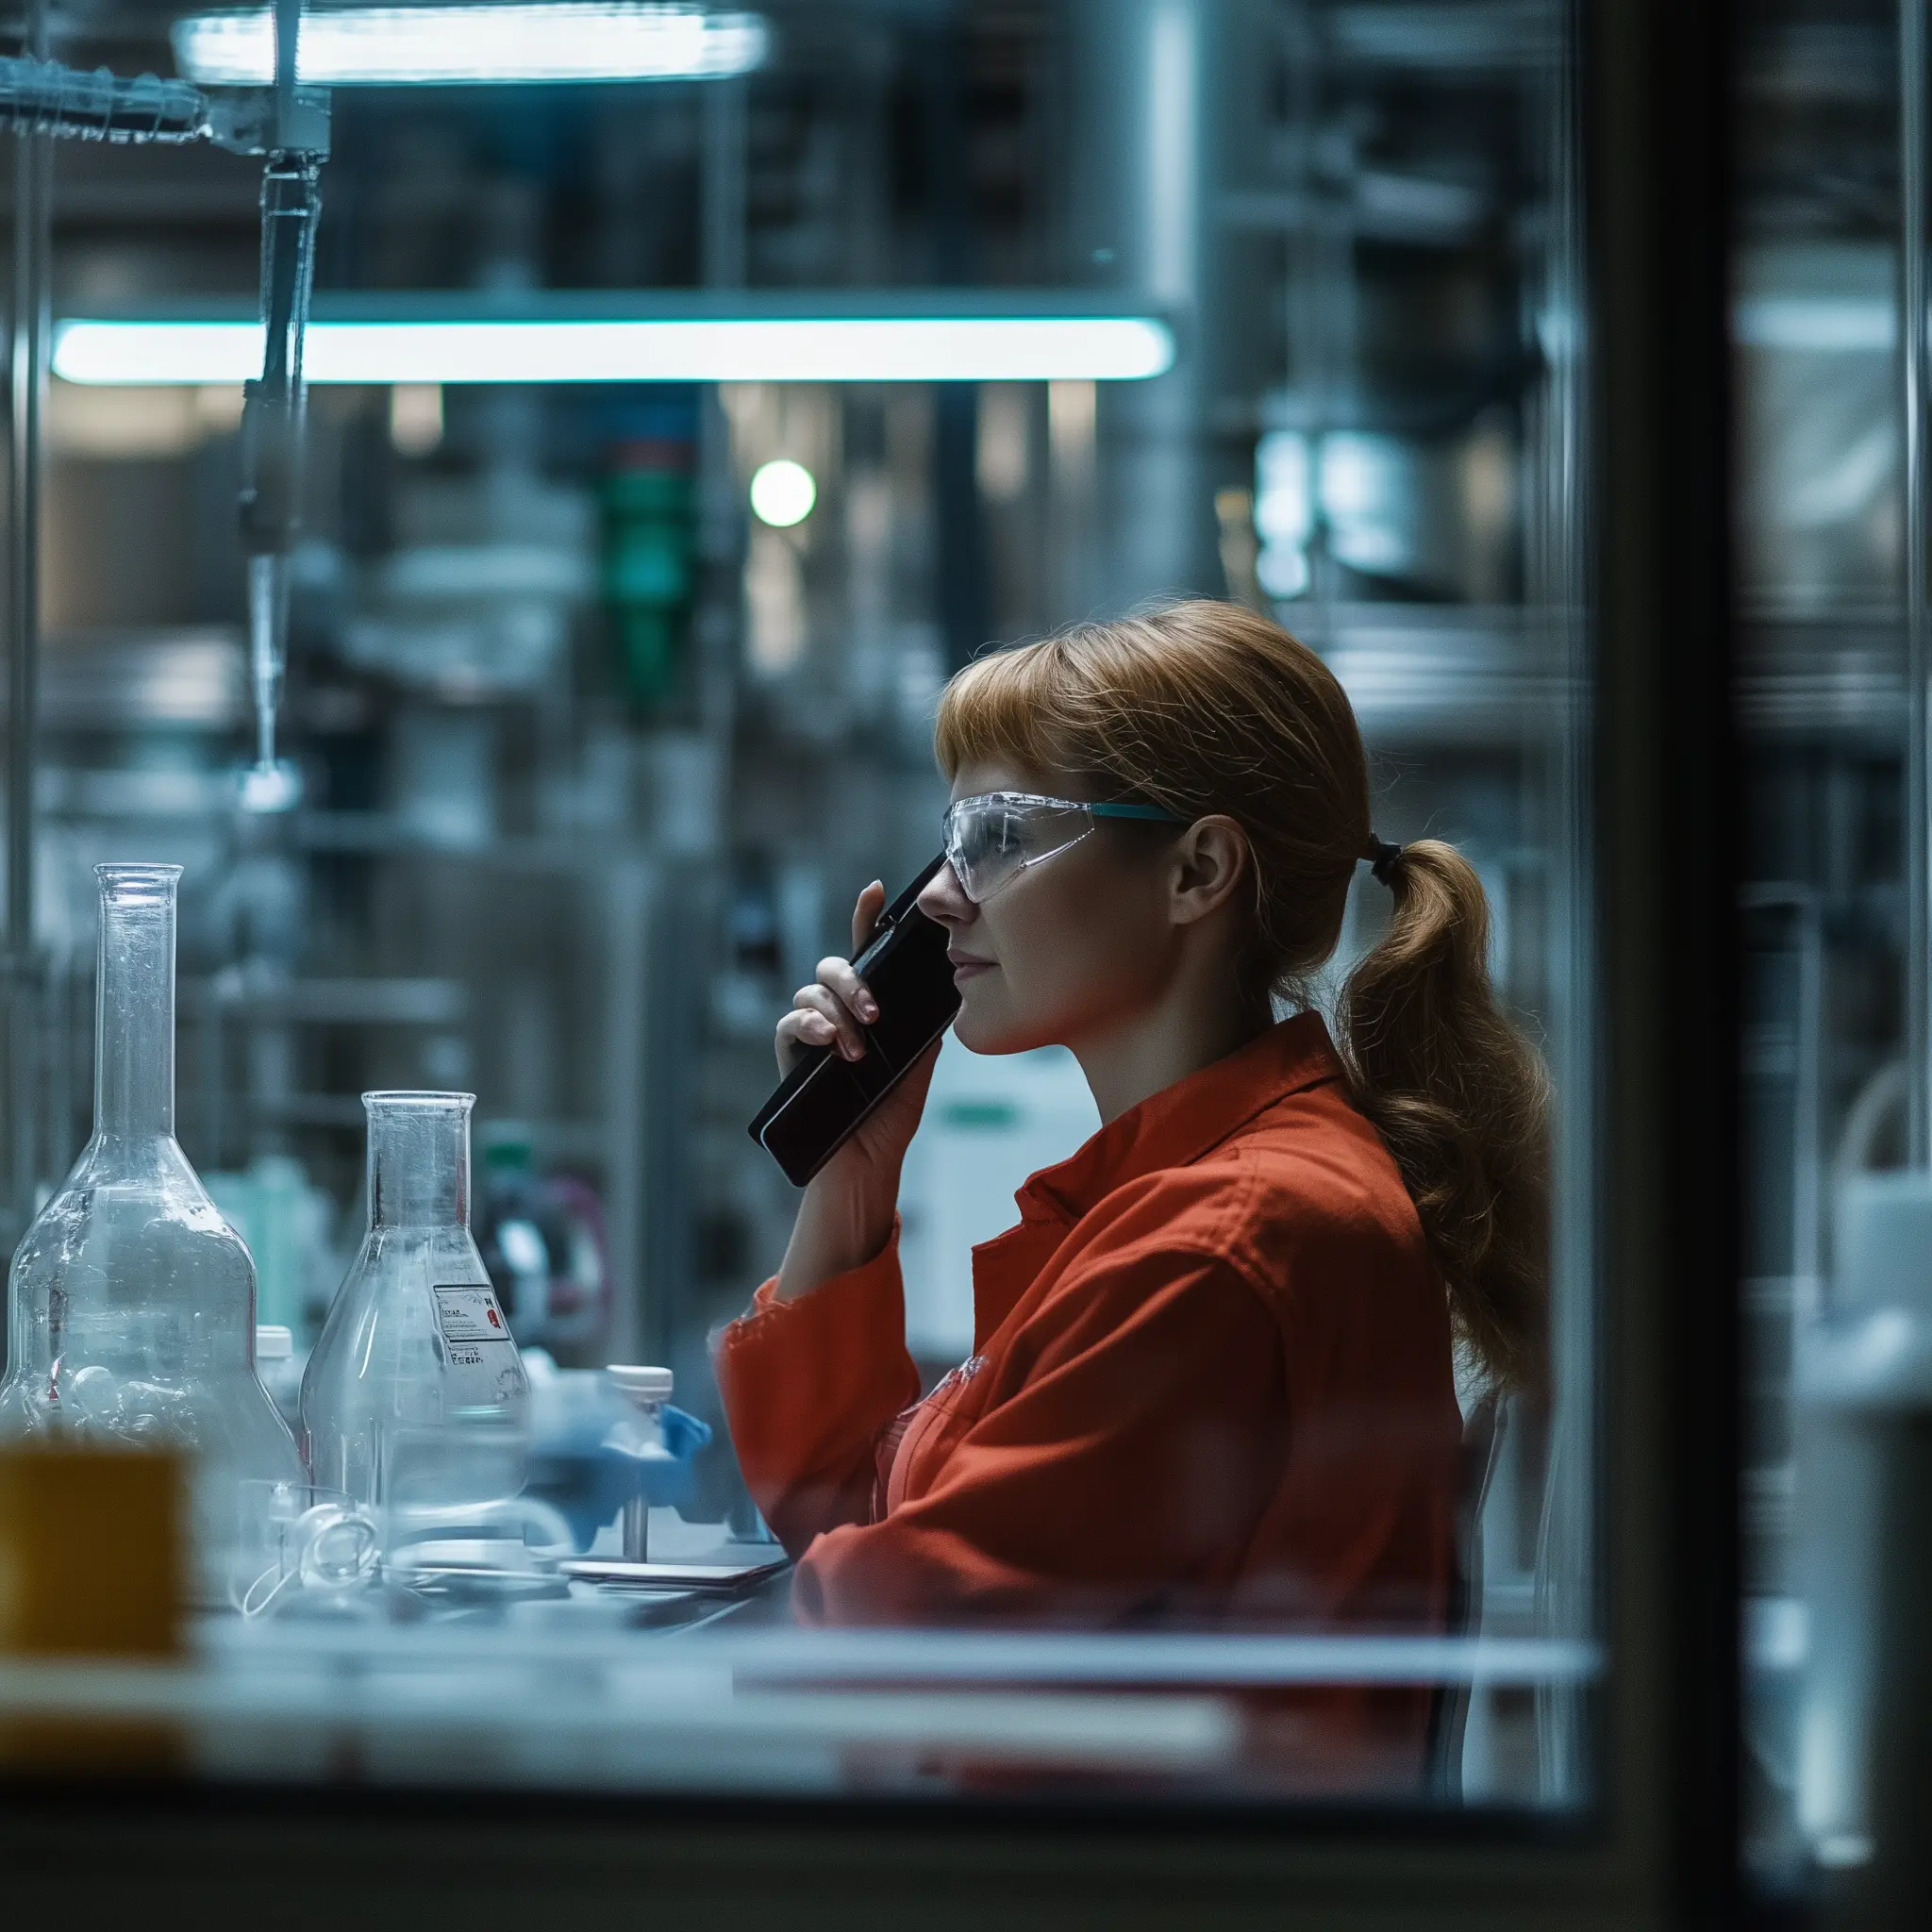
(43, 97)
(290, 125)
(131, 1302)
(274, 418)
(822, 1100)
(507, 1548)
(1864, 1396)
(645, 1390)
(606, 1447)
(543, 1241)
(299, 1536)
(415, 1397)
(285, 1219)
(521, 1245)
(649, 560)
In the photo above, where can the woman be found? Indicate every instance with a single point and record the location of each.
(1212, 1379)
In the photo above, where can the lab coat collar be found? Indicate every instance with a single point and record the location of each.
(1170, 1128)
(1181, 1123)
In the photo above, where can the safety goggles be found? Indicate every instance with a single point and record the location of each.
(993, 837)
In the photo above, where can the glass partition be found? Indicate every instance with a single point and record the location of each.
(792, 384)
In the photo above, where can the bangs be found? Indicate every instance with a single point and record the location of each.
(1197, 708)
(1013, 708)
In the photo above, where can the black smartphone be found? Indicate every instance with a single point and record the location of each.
(823, 1097)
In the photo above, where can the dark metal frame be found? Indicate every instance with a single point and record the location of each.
(1661, 1845)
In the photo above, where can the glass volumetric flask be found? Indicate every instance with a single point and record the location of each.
(415, 1399)
(131, 1302)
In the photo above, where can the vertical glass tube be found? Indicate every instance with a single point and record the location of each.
(134, 1002)
(419, 1159)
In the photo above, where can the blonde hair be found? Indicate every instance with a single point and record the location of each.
(1206, 708)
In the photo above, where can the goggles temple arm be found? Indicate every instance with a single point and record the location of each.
(1153, 814)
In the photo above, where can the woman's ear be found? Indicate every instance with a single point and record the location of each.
(1210, 861)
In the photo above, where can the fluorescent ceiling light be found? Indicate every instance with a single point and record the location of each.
(1048, 348)
(387, 46)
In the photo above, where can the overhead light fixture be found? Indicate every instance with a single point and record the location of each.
(919, 348)
(444, 45)
(783, 492)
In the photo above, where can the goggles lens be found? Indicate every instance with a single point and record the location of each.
(993, 837)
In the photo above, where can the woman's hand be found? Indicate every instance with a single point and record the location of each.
(846, 1215)
(832, 1009)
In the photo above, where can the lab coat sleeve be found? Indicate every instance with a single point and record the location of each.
(1143, 1433)
(807, 1387)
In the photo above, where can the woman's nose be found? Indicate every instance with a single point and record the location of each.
(944, 899)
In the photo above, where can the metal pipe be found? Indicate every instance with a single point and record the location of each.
(723, 208)
(1915, 371)
(27, 356)
(1142, 75)
(272, 456)
(29, 376)
(273, 418)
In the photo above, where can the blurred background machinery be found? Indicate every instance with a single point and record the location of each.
(608, 697)
(1830, 617)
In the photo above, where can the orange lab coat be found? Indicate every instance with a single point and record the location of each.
(1210, 1388)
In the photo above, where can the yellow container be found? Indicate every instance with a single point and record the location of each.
(90, 1552)
(91, 1568)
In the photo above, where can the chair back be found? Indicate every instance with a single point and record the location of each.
(1482, 1443)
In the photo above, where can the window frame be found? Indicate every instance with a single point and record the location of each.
(1654, 79)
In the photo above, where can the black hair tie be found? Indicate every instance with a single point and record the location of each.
(1383, 859)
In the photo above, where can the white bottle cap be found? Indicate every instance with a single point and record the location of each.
(271, 1342)
(640, 1384)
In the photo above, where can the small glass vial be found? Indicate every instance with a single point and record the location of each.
(415, 1399)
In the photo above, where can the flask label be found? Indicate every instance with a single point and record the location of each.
(479, 1359)
(467, 1313)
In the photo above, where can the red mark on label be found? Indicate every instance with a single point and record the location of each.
(494, 1322)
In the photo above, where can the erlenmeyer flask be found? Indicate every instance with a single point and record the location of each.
(131, 1302)
(415, 1398)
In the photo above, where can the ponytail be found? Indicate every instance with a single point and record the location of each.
(1209, 707)
(1461, 1100)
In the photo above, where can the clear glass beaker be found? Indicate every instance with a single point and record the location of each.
(130, 1301)
(415, 1396)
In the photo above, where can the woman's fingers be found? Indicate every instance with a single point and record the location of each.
(804, 1027)
(811, 1023)
(798, 1030)
(865, 915)
(824, 1003)
(837, 976)
(837, 1007)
